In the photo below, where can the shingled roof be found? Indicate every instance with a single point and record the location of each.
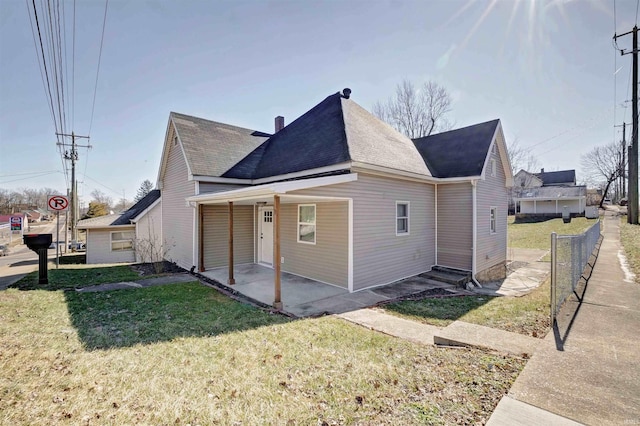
(135, 210)
(557, 178)
(458, 153)
(335, 131)
(210, 147)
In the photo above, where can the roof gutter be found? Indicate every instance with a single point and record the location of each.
(386, 171)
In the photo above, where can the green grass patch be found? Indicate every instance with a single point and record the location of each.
(528, 315)
(235, 365)
(77, 276)
(153, 314)
(538, 235)
(630, 238)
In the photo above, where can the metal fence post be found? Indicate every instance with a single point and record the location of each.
(554, 253)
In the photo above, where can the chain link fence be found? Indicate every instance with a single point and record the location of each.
(570, 255)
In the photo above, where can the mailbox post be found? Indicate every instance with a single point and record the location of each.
(40, 243)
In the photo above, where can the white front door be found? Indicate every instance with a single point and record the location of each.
(265, 229)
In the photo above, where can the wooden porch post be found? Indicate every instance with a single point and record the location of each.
(231, 278)
(200, 238)
(277, 303)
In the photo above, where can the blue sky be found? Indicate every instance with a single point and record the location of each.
(547, 69)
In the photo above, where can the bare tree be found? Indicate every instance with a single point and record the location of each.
(602, 166)
(416, 112)
(521, 158)
(101, 198)
(150, 248)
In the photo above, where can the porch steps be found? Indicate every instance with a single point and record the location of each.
(443, 274)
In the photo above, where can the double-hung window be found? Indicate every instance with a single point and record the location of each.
(492, 219)
(402, 217)
(122, 240)
(307, 223)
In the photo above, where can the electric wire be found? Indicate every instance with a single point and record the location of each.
(44, 62)
(95, 89)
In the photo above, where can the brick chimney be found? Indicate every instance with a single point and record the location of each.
(541, 170)
(279, 123)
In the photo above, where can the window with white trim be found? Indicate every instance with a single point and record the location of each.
(402, 217)
(492, 219)
(493, 167)
(307, 223)
(122, 240)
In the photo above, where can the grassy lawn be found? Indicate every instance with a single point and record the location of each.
(184, 354)
(69, 276)
(528, 315)
(630, 238)
(538, 235)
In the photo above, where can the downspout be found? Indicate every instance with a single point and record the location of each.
(436, 223)
(474, 202)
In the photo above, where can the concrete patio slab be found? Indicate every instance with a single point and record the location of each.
(256, 282)
(460, 333)
(529, 273)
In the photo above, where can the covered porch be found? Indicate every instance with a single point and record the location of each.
(273, 230)
(304, 297)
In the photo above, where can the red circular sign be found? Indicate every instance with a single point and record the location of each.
(58, 202)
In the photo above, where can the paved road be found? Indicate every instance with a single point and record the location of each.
(20, 254)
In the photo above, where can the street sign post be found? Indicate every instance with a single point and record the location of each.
(58, 203)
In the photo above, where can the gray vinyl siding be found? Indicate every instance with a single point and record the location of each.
(455, 225)
(209, 187)
(216, 235)
(149, 229)
(99, 247)
(325, 261)
(379, 256)
(177, 217)
(491, 192)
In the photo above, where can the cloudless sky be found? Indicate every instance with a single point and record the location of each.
(546, 68)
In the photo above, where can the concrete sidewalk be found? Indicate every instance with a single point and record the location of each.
(588, 369)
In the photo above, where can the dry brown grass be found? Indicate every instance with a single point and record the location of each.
(317, 371)
(630, 238)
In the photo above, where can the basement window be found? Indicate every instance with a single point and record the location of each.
(307, 223)
(122, 240)
(402, 218)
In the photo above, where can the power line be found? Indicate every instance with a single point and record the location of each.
(95, 90)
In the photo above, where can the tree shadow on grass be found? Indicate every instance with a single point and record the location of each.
(125, 318)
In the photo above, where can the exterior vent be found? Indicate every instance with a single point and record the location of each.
(346, 93)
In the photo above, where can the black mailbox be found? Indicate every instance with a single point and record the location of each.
(39, 243)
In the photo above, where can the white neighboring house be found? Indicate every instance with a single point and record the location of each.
(112, 238)
(548, 194)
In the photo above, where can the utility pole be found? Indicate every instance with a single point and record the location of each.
(632, 207)
(623, 152)
(72, 155)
